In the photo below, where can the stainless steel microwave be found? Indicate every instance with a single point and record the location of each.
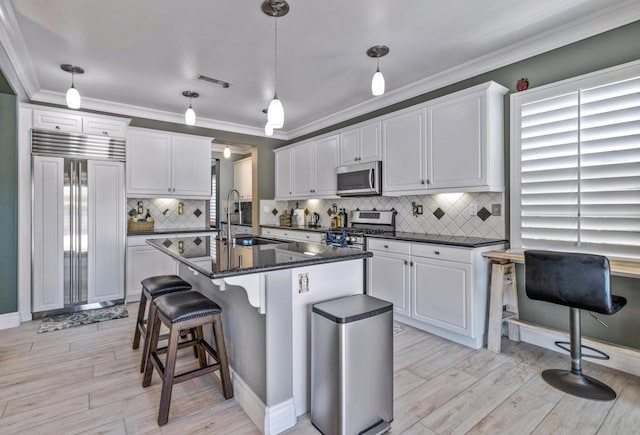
(363, 179)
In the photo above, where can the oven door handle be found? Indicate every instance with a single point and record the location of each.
(371, 179)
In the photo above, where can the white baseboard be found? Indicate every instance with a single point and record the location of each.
(269, 419)
(620, 358)
(9, 320)
(473, 343)
(26, 316)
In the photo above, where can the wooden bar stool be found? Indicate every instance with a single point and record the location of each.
(152, 288)
(181, 312)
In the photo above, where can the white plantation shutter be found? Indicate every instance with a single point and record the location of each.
(212, 204)
(576, 165)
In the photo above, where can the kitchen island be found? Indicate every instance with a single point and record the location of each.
(266, 291)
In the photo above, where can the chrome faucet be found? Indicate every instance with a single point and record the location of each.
(229, 213)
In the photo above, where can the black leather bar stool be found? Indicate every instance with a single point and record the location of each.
(580, 282)
(182, 312)
(152, 288)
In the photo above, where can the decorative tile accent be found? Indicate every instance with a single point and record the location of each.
(197, 241)
(197, 212)
(167, 243)
(329, 211)
(274, 211)
(165, 212)
(438, 213)
(484, 214)
(456, 220)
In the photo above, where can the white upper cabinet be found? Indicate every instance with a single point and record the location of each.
(191, 166)
(243, 178)
(308, 169)
(103, 127)
(303, 170)
(164, 165)
(77, 122)
(325, 158)
(284, 173)
(404, 166)
(360, 144)
(449, 144)
(462, 150)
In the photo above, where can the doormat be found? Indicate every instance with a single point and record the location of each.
(69, 320)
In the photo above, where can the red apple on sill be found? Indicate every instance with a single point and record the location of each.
(522, 85)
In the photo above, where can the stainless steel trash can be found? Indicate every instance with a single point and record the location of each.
(352, 365)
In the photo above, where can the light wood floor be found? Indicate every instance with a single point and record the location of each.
(86, 380)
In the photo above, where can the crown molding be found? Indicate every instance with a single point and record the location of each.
(602, 21)
(618, 15)
(13, 43)
(155, 114)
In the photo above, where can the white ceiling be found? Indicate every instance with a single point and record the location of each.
(146, 52)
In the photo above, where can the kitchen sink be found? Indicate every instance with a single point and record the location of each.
(252, 241)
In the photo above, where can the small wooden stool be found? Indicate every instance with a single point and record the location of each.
(503, 303)
(152, 288)
(182, 312)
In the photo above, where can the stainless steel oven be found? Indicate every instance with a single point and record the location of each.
(363, 179)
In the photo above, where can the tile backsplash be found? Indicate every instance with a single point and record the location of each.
(445, 213)
(165, 212)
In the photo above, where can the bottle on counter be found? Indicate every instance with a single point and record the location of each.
(344, 218)
(148, 217)
(339, 220)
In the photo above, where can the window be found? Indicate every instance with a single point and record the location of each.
(575, 164)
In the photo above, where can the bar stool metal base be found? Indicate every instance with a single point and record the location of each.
(578, 385)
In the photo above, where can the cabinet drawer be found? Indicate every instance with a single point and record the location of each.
(103, 127)
(298, 236)
(439, 252)
(388, 245)
(57, 121)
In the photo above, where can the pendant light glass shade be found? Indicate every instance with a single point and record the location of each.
(227, 152)
(268, 129)
(73, 98)
(190, 116)
(377, 83)
(275, 113)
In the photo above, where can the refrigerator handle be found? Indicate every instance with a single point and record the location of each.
(79, 233)
(72, 233)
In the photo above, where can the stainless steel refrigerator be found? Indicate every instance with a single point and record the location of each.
(79, 219)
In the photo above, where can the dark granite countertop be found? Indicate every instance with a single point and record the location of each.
(440, 239)
(209, 255)
(235, 223)
(174, 231)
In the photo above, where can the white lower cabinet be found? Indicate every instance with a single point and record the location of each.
(389, 278)
(144, 261)
(440, 289)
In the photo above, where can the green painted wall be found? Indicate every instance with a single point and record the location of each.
(8, 203)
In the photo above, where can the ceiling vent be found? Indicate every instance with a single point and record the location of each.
(213, 81)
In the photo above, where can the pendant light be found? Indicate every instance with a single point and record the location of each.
(73, 96)
(268, 128)
(377, 82)
(227, 152)
(190, 114)
(275, 112)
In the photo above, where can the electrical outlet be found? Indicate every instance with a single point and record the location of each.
(496, 209)
(303, 282)
(473, 209)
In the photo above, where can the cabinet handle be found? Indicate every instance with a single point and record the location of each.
(411, 263)
(169, 189)
(421, 181)
(405, 262)
(106, 133)
(386, 246)
(428, 182)
(307, 237)
(57, 127)
(174, 189)
(436, 252)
